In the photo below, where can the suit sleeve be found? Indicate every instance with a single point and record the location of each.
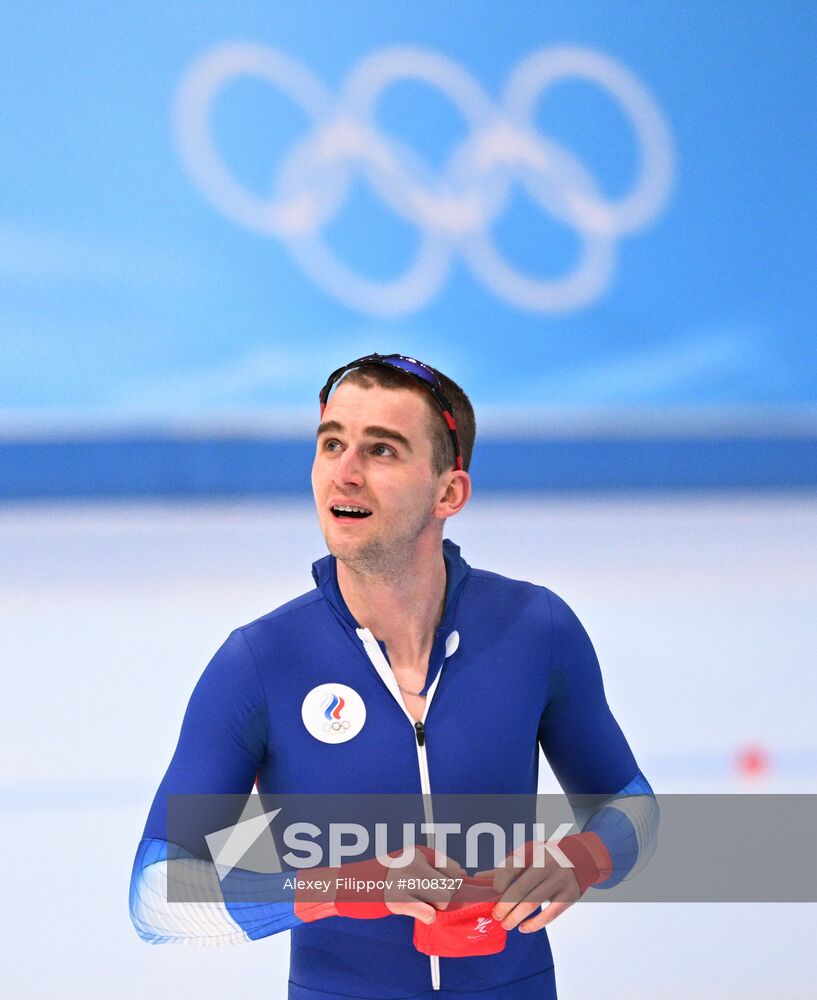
(221, 747)
(585, 747)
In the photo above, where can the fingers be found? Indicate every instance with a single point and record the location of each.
(550, 890)
(507, 877)
(431, 887)
(549, 913)
(513, 866)
(511, 914)
(502, 877)
(558, 892)
(421, 888)
(532, 886)
(414, 908)
(428, 899)
(448, 870)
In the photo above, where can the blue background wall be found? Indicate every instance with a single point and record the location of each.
(147, 292)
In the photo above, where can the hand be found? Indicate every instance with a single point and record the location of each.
(525, 889)
(423, 903)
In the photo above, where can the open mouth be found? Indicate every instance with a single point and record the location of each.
(349, 510)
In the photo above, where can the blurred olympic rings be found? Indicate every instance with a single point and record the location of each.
(453, 211)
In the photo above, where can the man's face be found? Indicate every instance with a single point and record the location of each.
(374, 453)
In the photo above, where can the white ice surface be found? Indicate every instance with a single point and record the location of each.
(702, 611)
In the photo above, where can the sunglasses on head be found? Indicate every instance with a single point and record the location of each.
(415, 369)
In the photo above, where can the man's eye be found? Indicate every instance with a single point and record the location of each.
(331, 444)
(383, 449)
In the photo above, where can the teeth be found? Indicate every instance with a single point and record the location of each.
(355, 510)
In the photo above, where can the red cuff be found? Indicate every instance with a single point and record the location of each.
(590, 859)
(364, 904)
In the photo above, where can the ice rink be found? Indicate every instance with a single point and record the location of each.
(702, 610)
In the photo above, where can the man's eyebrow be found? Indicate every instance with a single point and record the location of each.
(375, 431)
(329, 425)
(386, 432)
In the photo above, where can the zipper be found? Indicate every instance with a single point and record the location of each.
(428, 813)
(381, 665)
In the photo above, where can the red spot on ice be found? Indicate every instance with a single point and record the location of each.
(753, 761)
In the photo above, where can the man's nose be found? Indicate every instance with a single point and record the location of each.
(349, 469)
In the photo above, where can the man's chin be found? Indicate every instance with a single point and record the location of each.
(345, 550)
(367, 557)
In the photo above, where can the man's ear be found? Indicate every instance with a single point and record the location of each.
(455, 495)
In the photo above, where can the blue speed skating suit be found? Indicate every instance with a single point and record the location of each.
(511, 670)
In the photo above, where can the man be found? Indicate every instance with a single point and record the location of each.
(378, 681)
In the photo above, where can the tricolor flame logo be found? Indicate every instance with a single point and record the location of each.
(332, 706)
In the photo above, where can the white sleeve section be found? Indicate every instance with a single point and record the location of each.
(642, 811)
(627, 823)
(194, 923)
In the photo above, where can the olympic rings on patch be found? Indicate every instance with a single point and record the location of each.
(335, 727)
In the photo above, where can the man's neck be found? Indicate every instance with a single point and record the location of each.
(404, 610)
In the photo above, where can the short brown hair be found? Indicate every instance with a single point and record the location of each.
(442, 447)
